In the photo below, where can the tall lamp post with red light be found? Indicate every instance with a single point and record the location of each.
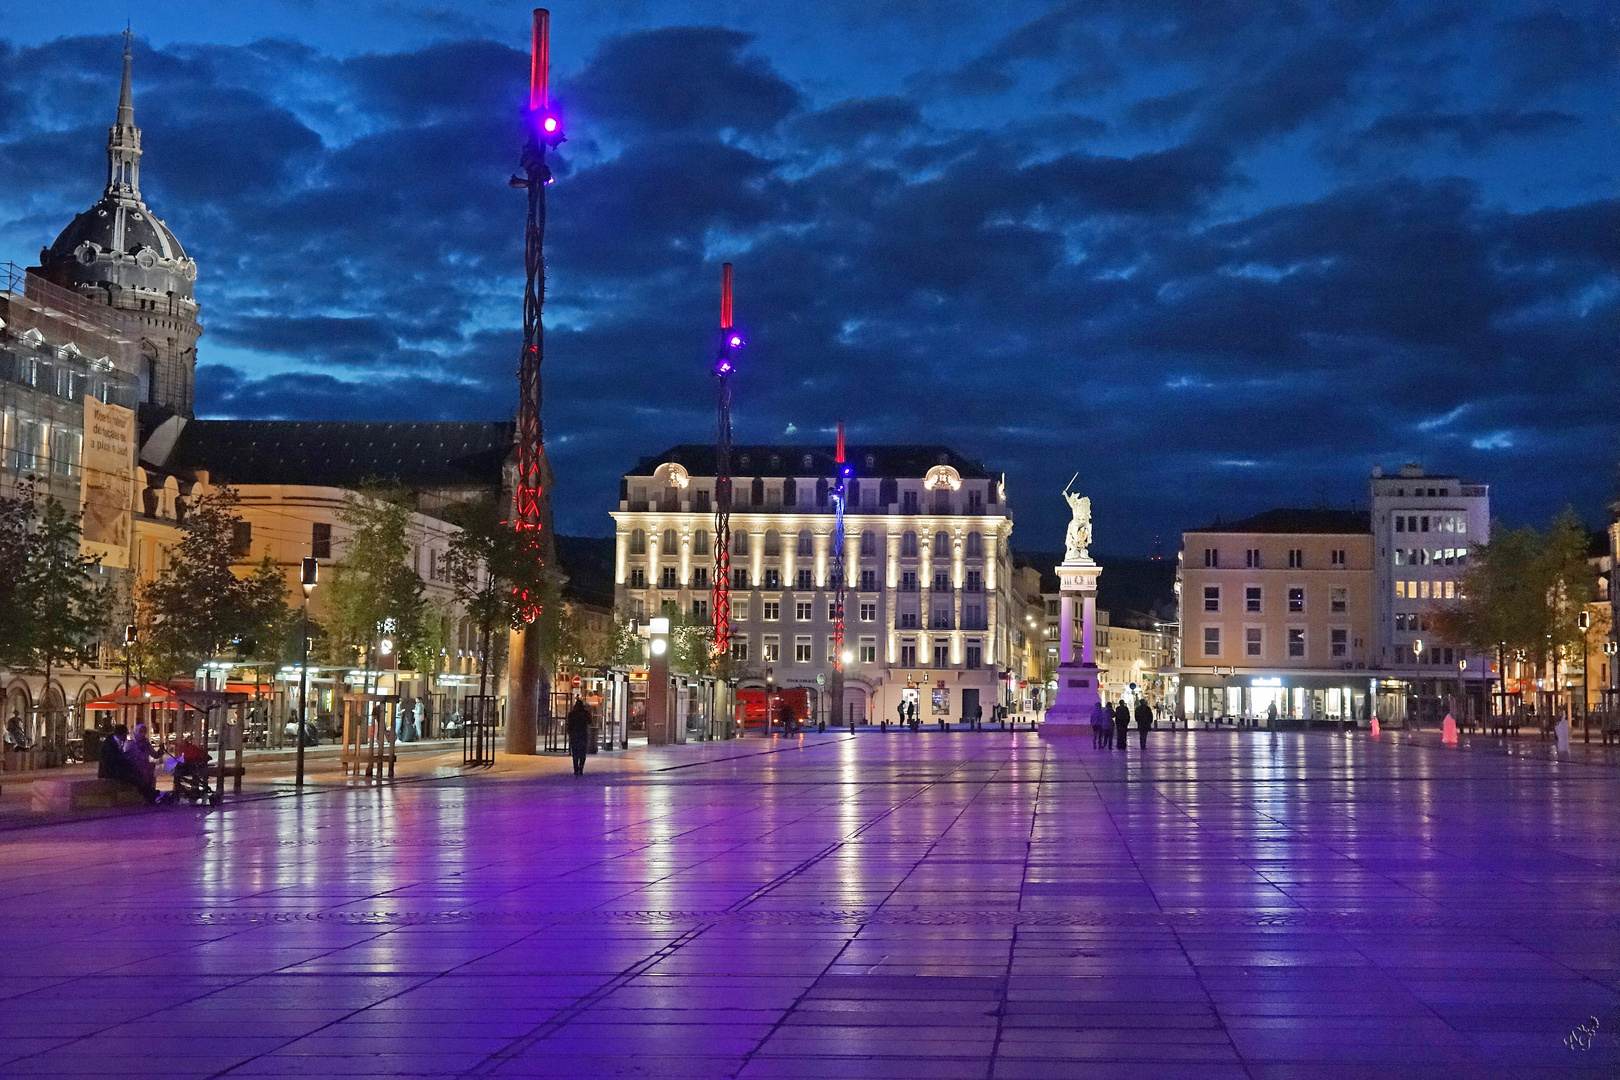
(725, 363)
(529, 511)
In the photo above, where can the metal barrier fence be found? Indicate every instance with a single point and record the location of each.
(479, 720)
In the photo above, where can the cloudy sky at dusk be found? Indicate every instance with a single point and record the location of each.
(1216, 255)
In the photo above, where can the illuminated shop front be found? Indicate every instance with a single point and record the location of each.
(1221, 695)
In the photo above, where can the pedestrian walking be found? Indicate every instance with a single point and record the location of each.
(579, 734)
(1144, 720)
(900, 711)
(1102, 726)
(1122, 724)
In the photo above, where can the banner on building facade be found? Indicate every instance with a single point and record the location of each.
(107, 485)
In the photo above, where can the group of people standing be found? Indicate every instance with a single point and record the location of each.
(1111, 724)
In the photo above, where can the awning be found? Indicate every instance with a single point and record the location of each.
(139, 694)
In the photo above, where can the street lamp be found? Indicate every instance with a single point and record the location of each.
(308, 577)
(129, 643)
(1583, 620)
(770, 700)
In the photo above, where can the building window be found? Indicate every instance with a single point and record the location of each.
(1336, 557)
(1251, 598)
(1212, 598)
(868, 543)
(700, 577)
(241, 538)
(638, 578)
(801, 650)
(773, 610)
(757, 490)
(1296, 558)
(666, 578)
(1053, 607)
(320, 540)
(739, 611)
(739, 543)
(1339, 601)
(942, 581)
(868, 613)
(671, 541)
(1341, 643)
(973, 618)
(700, 542)
(1296, 642)
(908, 545)
(806, 545)
(1212, 557)
(975, 501)
(942, 619)
(908, 620)
(700, 502)
(638, 610)
(908, 502)
(1296, 599)
(773, 579)
(908, 581)
(1251, 557)
(908, 655)
(868, 581)
(739, 649)
(942, 545)
(1400, 523)
(638, 542)
(1253, 640)
(772, 651)
(975, 581)
(942, 654)
(790, 492)
(739, 580)
(1212, 641)
(868, 653)
(974, 656)
(975, 542)
(773, 542)
(802, 581)
(801, 611)
(700, 610)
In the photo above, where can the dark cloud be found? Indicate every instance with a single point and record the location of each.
(1468, 132)
(1551, 48)
(681, 79)
(1127, 289)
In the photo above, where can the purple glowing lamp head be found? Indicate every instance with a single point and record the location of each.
(548, 126)
(724, 367)
(735, 341)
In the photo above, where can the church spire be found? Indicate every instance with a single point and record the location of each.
(124, 140)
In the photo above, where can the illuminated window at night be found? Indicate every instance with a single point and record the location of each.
(739, 610)
(801, 651)
(1296, 599)
(773, 579)
(868, 613)
(868, 652)
(772, 651)
(739, 649)
(1296, 642)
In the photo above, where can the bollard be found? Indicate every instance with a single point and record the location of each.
(1375, 727)
(1448, 730)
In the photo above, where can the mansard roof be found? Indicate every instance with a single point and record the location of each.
(816, 459)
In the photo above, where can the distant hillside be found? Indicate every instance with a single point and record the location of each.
(1130, 590)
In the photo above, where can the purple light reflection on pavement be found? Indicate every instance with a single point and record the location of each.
(966, 904)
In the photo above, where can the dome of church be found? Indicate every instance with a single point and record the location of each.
(119, 242)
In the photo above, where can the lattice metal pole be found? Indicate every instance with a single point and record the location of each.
(529, 495)
(724, 366)
(839, 494)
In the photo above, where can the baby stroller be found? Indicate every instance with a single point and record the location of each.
(190, 765)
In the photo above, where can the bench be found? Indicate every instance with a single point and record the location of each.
(83, 794)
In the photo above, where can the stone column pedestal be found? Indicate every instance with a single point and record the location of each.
(1078, 684)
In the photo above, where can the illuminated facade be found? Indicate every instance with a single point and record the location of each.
(930, 600)
(1277, 613)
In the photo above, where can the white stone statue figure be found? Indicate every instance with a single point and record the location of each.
(1078, 536)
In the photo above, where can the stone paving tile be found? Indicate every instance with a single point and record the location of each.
(940, 906)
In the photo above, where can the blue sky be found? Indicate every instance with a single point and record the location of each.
(1215, 255)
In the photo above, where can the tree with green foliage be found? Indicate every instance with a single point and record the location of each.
(1521, 594)
(497, 573)
(66, 604)
(198, 604)
(16, 528)
(374, 591)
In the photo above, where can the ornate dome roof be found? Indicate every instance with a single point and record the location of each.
(118, 241)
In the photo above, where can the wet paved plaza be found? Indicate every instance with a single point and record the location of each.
(929, 906)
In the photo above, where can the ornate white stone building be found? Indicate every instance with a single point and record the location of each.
(929, 603)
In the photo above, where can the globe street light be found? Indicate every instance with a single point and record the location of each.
(1583, 620)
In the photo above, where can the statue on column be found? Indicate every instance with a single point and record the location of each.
(1078, 536)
